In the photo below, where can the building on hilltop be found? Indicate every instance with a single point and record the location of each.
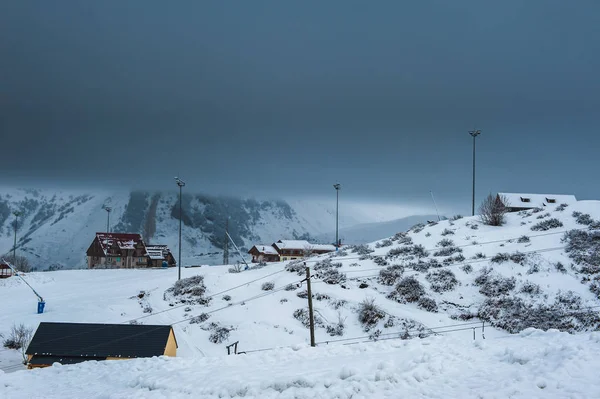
(126, 251)
(284, 250)
(521, 202)
(70, 343)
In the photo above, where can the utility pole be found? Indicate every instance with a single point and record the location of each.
(17, 214)
(337, 187)
(474, 133)
(310, 308)
(180, 183)
(107, 209)
(226, 243)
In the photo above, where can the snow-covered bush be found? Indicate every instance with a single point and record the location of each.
(384, 243)
(523, 239)
(492, 285)
(447, 251)
(500, 258)
(415, 250)
(535, 268)
(303, 316)
(390, 275)
(427, 304)
(362, 249)
(479, 255)
(338, 303)
(583, 218)
(492, 210)
(402, 238)
(562, 207)
(447, 232)
(531, 288)
(417, 228)
(188, 290)
(337, 329)
(584, 248)
(199, 319)
(380, 261)
(560, 267)
(227, 298)
(456, 217)
(296, 266)
(326, 264)
(408, 289)
(442, 280)
(332, 276)
(445, 242)
(547, 225)
(369, 313)
(519, 258)
(467, 268)
(268, 286)
(291, 287)
(545, 215)
(219, 335)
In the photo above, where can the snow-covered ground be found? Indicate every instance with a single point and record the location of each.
(446, 362)
(533, 364)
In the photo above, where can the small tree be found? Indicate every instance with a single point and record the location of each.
(492, 210)
(308, 251)
(21, 263)
(19, 338)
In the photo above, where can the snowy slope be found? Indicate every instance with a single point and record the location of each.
(261, 319)
(56, 227)
(533, 364)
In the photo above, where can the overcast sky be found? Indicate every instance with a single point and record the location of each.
(285, 98)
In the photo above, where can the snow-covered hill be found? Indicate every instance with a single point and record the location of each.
(56, 227)
(445, 278)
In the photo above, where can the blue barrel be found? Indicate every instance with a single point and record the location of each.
(41, 305)
(165, 264)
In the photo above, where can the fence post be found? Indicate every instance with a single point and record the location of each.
(310, 308)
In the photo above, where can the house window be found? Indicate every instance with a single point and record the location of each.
(118, 259)
(551, 200)
(525, 199)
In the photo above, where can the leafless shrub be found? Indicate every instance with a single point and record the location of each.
(369, 313)
(493, 209)
(19, 338)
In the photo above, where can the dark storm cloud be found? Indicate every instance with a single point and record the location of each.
(286, 97)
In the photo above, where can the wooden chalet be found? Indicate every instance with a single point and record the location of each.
(5, 270)
(157, 255)
(264, 253)
(117, 251)
(70, 343)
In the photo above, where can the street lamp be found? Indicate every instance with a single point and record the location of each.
(180, 183)
(474, 133)
(17, 214)
(337, 187)
(108, 209)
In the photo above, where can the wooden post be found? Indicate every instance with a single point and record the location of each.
(310, 308)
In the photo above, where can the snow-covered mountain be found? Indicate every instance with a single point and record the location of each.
(56, 227)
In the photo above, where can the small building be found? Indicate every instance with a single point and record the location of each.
(70, 343)
(264, 253)
(5, 270)
(284, 250)
(157, 254)
(521, 202)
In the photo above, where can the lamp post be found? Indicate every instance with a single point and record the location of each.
(108, 209)
(474, 134)
(337, 187)
(180, 183)
(17, 214)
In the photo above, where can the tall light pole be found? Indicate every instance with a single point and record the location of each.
(180, 183)
(107, 209)
(17, 214)
(337, 187)
(474, 133)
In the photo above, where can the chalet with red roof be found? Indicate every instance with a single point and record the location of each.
(126, 251)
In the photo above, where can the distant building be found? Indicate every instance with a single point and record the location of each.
(284, 250)
(70, 343)
(264, 253)
(5, 270)
(158, 254)
(521, 202)
(126, 251)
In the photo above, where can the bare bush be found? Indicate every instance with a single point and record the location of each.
(219, 335)
(268, 286)
(332, 276)
(384, 243)
(493, 209)
(583, 247)
(467, 268)
(390, 275)
(303, 316)
(188, 290)
(19, 338)
(447, 251)
(523, 239)
(200, 318)
(362, 249)
(583, 218)
(427, 304)
(297, 266)
(445, 242)
(562, 207)
(531, 288)
(447, 232)
(337, 329)
(20, 263)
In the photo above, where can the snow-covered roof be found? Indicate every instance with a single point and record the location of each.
(122, 240)
(267, 249)
(322, 247)
(157, 252)
(517, 200)
(292, 244)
